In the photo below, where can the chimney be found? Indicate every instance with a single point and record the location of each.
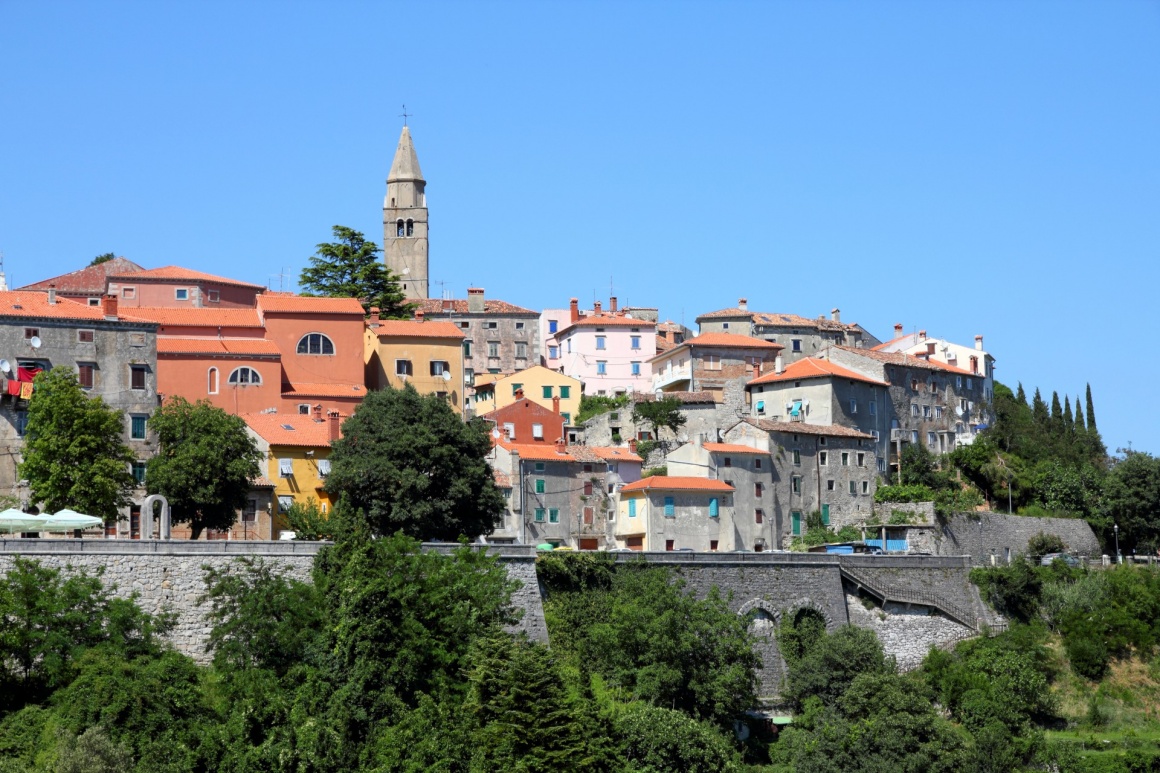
(979, 343)
(52, 295)
(556, 405)
(520, 394)
(921, 335)
(374, 320)
(448, 305)
(897, 329)
(596, 308)
(474, 300)
(698, 441)
(632, 444)
(777, 364)
(316, 412)
(574, 310)
(109, 304)
(419, 315)
(334, 425)
(612, 304)
(836, 315)
(743, 304)
(561, 446)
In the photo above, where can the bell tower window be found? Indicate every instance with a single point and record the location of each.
(398, 228)
(410, 228)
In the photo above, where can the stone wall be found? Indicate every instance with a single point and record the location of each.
(907, 631)
(168, 576)
(923, 512)
(983, 535)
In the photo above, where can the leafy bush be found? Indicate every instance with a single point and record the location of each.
(1088, 655)
(904, 493)
(1012, 590)
(651, 471)
(644, 448)
(594, 405)
(308, 522)
(1043, 543)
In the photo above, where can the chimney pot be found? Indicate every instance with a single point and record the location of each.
(52, 295)
(612, 304)
(334, 425)
(556, 405)
(743, 304)
(979, 343)
(596, 309)
(777, 364)
(419, 315)
(897, 329)
(836, 314)
(475, 300)
(316, 411)
(560, 445)
(110, 306)
(574, 309)
(632, 445)
(922, 335)
(520, 394)
(374, 320)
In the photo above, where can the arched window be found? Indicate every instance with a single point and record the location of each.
(410, 228)
(398, 228)
(244, 375)
(315, 343)
(213, 381)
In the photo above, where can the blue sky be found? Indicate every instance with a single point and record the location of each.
(972, 167)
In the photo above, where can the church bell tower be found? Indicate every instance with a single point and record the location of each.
(405, 220)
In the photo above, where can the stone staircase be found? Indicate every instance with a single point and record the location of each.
(887, 593)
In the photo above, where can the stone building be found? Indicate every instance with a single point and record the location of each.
(113, 354)
(405, 246)
(801, 336)
(702, 417)
(87, 285)
(664, 512)
(717, 363)
(974, 359)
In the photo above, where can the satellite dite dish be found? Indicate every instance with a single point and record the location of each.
(446, 375)
(495, 433)
(5, 366)
(34, 342)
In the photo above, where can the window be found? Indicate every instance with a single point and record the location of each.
(670, 545)
(712, 362)
(796, 484)
(553, 326)
(303, 409)
(938, 412)
(759, 515)
(565, 392)
(553, 352)
(410, 227)
(958, 382)
(21, 422)
(85, 336)
(137, 427)
(492, 325)
(589, 515)
(931, 439)
(853, 488)
(632, 508)
(825, 515)
(758, 490)
(553, 515)
(670, 509)
(212, 381)
(601, 368)
(547, 392)
(181, 293)
(970, 383)
(285, 503)
(439, 367)
(914, 436)
(757, 463)
(823, 457)
(214, 296)
(509, 430)
(830, 485)
(467, 348)
(250, 511)
(464, 325)
(315, 343)
(521, 350)
(94, 301)
(139, 471)
(137, 376)
(519, 326)
(493, 348)
(727, 462)
(244, 375)
(600, 342)
(538, 431)
(31, 332)
(914, 409)
(821, 440)
(797, 457)
(539, 515)
(797, 344)
(861, 460)
(913, 384)
(636, 368)
(399, 227)
(713, 545)
(403, 368)
(128, 292)
(635, 342)
(853, 405)
(795, 518)
(516, 388)
(845, 459)
(587, 488)
(469, 376)
(962, 405)
(285, 468)
(713, 511)
(926, 411)
(567, 417)
(539, 485)
(760, 407)
(865, 487)
(873, 406)
(85, 373)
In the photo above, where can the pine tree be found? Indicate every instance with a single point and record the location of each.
(1068, 419)
(1039, 412)
(1020, 395)
(1056, 416)
(1079, 425)
(1091, 411)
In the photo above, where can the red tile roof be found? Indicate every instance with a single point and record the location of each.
(664, 345)
(794, 320)
(616, 454)
(604, 319)
(502, 479)
(546, 452)
(328, 389)
(35, 305)
(812, 367)
(732, 340)
(905, 360)
(304, 304)
(410, 328)
(236, 347)
(726, 313)
(436, 306)
(801, 428)
(90, 280)
(676, 483)
(261, 482)
(668, 326)
(200, 317)
(303, 429)
(179, 274)
(734, 448)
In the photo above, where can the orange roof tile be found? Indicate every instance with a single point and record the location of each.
(801, 428)
(811, 367)
(413, 328)
(546, 452)
(734, 448)
(289, 429)
(616, 454)
(502, 479)
(275, 304)
(324, 390)
(731, 339)
(676, 483)
(439, 306)
(29, 304)
(605, 319)
(90, 280)
(261, 482)
(664, 345)
(795, 320)
(177, 273)
(200, 317)
(905, 360)
(721, 313)
(237, 347)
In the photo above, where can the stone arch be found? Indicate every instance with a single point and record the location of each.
(776, 611)
(147, 517)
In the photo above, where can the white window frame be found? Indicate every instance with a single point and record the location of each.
(323, 340)
(181, 293)
(238, 370)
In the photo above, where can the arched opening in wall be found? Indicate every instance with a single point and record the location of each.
(762, 622)
(410, 228)
(399, 227)
(800, 631)
(212, 387)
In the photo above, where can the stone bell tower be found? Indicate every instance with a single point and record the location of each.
(405, 220)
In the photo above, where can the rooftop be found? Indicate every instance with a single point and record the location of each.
(676, 483)
(550, 452)
(606, 319)
(328, 389)
(905, 360)
(413, 328)
(289, 429)
(439, 307)
(177, 273)
(34, 305)
(616, 454)
(90, 280)
(811, 367)
(200, 317)
(237, 347)
(309, 305)
(734, 448)
(801, 428)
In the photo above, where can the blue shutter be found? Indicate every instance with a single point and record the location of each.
(669, 506)
(713, 507)
(632, 508)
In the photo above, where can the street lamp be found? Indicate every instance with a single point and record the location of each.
(1116, 529)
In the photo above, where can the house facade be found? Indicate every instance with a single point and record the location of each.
(425, 353)
(176, 287)
(543, 386)
(800, 336)
(973, 359)
(674, 513)
(608, 352)
(87, 285)
(717, 363)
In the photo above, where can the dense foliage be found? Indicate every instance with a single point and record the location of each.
(349, 267)
(74, 452)
(411, 464)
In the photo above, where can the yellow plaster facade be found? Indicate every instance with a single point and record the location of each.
(416, 353)
(540, 385)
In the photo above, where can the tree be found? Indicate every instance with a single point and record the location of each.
(1132, 500)
(349, 267)
(105, 258)
(204, 464)
(412, 465)
(74, 455)
(662, 412)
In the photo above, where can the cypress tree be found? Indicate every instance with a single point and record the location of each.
(1020, 395)
(1039, 412)
(1091, 411)
(1056, 416)
(1068, 420)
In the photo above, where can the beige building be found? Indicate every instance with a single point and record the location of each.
(673, 513)
(405, 220)
(541, 385)
(421, 352)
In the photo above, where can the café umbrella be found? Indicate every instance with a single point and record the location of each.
(69, 520)
(13, 521)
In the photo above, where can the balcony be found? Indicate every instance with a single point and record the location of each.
(670, 377)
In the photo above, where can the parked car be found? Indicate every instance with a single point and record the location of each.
(1051, 558)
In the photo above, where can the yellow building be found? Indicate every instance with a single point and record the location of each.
(540, 385)
(424, 353)
(295, 448)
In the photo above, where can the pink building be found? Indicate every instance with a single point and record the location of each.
(609, 351)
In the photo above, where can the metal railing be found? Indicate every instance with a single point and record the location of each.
(909, 596)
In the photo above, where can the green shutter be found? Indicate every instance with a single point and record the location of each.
(713, 507)
(539, 515)
(565, 392)
(539, 485)
(796, 521)
(825, 515)
(553, 515)
(516, 388)
(548, 392)
(567, 417)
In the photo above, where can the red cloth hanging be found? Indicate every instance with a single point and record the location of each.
(13, 387)
(27, 374)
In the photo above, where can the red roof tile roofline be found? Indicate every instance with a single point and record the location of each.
(810, 368)
(677, 483)
(182, 274)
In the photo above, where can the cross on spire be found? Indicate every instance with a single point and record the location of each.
(405, 115)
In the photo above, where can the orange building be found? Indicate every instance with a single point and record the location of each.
(181, 288)
(421, 352)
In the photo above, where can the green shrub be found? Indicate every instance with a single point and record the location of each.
(651, 471)
(904, 493)
(644, 448)
(1043, 543)
(1088, 655)
(594, 405)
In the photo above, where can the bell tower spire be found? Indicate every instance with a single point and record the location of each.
(405, 220)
